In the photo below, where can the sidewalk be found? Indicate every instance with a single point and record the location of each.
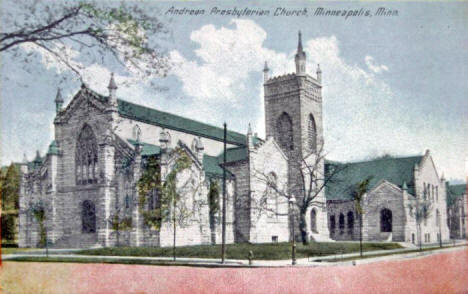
(209, 262)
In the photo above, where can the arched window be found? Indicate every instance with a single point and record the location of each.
(386, 220)
(332, 224)
(284, 128)
(88, 217)
(311, 127)
(341, 222)
(313, 221)
(350, 221)
(86, 157)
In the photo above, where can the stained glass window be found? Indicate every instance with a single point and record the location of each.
(86, 157)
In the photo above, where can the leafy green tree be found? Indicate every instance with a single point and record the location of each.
(9, 191)
(120, 224)
(39, 214)
(75, 35)
(10, 188)
(169, 206)
(213, 203)
(358, 193)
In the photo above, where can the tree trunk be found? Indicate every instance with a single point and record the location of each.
(420, 236)
(118, 237)
(213, 228)
(360, 234)
(303, 228)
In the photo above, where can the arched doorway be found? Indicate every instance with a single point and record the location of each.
(386, 220)
(88, 217)
(313, 221)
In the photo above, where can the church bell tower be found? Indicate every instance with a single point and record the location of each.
(293, 117)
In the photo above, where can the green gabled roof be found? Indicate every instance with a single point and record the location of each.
(211, 165)
(391, 169)
(172, 121)
(454, 192)
(146, 148)
(178, 123)
(233, 154)
(212, 168)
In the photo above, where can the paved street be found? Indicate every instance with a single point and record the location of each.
(438, 273)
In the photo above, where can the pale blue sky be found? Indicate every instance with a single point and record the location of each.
(391, 84)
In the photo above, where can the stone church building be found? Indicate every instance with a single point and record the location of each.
(103, 146)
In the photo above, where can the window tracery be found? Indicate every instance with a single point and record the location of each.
(285, 132)
(86, 157)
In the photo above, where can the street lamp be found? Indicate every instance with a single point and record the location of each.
(292, 201)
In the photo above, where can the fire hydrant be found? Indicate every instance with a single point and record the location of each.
(251, 256)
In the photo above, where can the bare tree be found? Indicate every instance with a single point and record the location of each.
(420, 209)
(74, 35)
(312, 180)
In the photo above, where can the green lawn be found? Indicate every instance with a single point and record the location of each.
(267, 251)
(389, 253)
(11, 250)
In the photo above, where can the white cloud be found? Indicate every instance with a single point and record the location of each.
(224, 81)
(359, 106)
(225, 61)
(370, 62)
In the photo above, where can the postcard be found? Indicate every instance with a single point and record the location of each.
(233, 147)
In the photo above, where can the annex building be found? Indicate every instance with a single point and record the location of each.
(103, 146)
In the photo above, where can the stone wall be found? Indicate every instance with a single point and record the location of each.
(269, 206)
(384, 196)
(242, 221)
(350, 228)
(426, 176)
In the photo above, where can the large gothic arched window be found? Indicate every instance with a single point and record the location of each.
(312, 130)
(86, 157)
(284, 129)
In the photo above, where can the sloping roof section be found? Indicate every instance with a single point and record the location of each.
(233, 154)
(392, 169)
(454, 192)
(171, 121)
(146, 148)
(178, 123)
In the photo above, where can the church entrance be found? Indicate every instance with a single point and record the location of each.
(88, 217)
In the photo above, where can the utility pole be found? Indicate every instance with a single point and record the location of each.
(174, 223)
(223, 245)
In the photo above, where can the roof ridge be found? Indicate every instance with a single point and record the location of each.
(381, 159)
(231, 133)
